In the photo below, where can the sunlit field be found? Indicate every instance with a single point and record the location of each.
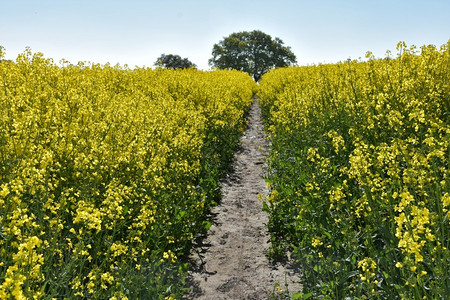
(107, 174)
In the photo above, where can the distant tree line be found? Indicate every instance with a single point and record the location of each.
(253, 52)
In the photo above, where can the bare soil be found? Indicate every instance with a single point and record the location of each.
(231, 262)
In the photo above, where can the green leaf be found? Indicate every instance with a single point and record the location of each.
(206, 224)
(265, 206)
(300, 295)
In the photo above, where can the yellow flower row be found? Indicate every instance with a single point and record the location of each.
(105, 171)
(361, 163)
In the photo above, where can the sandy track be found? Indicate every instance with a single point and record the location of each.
(231, 263)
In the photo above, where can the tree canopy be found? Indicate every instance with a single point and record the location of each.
(171, 61)
(253, 52)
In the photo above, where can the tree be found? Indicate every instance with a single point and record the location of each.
(252, 52)
(171, 61)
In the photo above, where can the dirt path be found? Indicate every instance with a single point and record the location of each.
(232, 263)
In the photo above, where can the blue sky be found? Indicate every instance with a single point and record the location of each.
(136, 32)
